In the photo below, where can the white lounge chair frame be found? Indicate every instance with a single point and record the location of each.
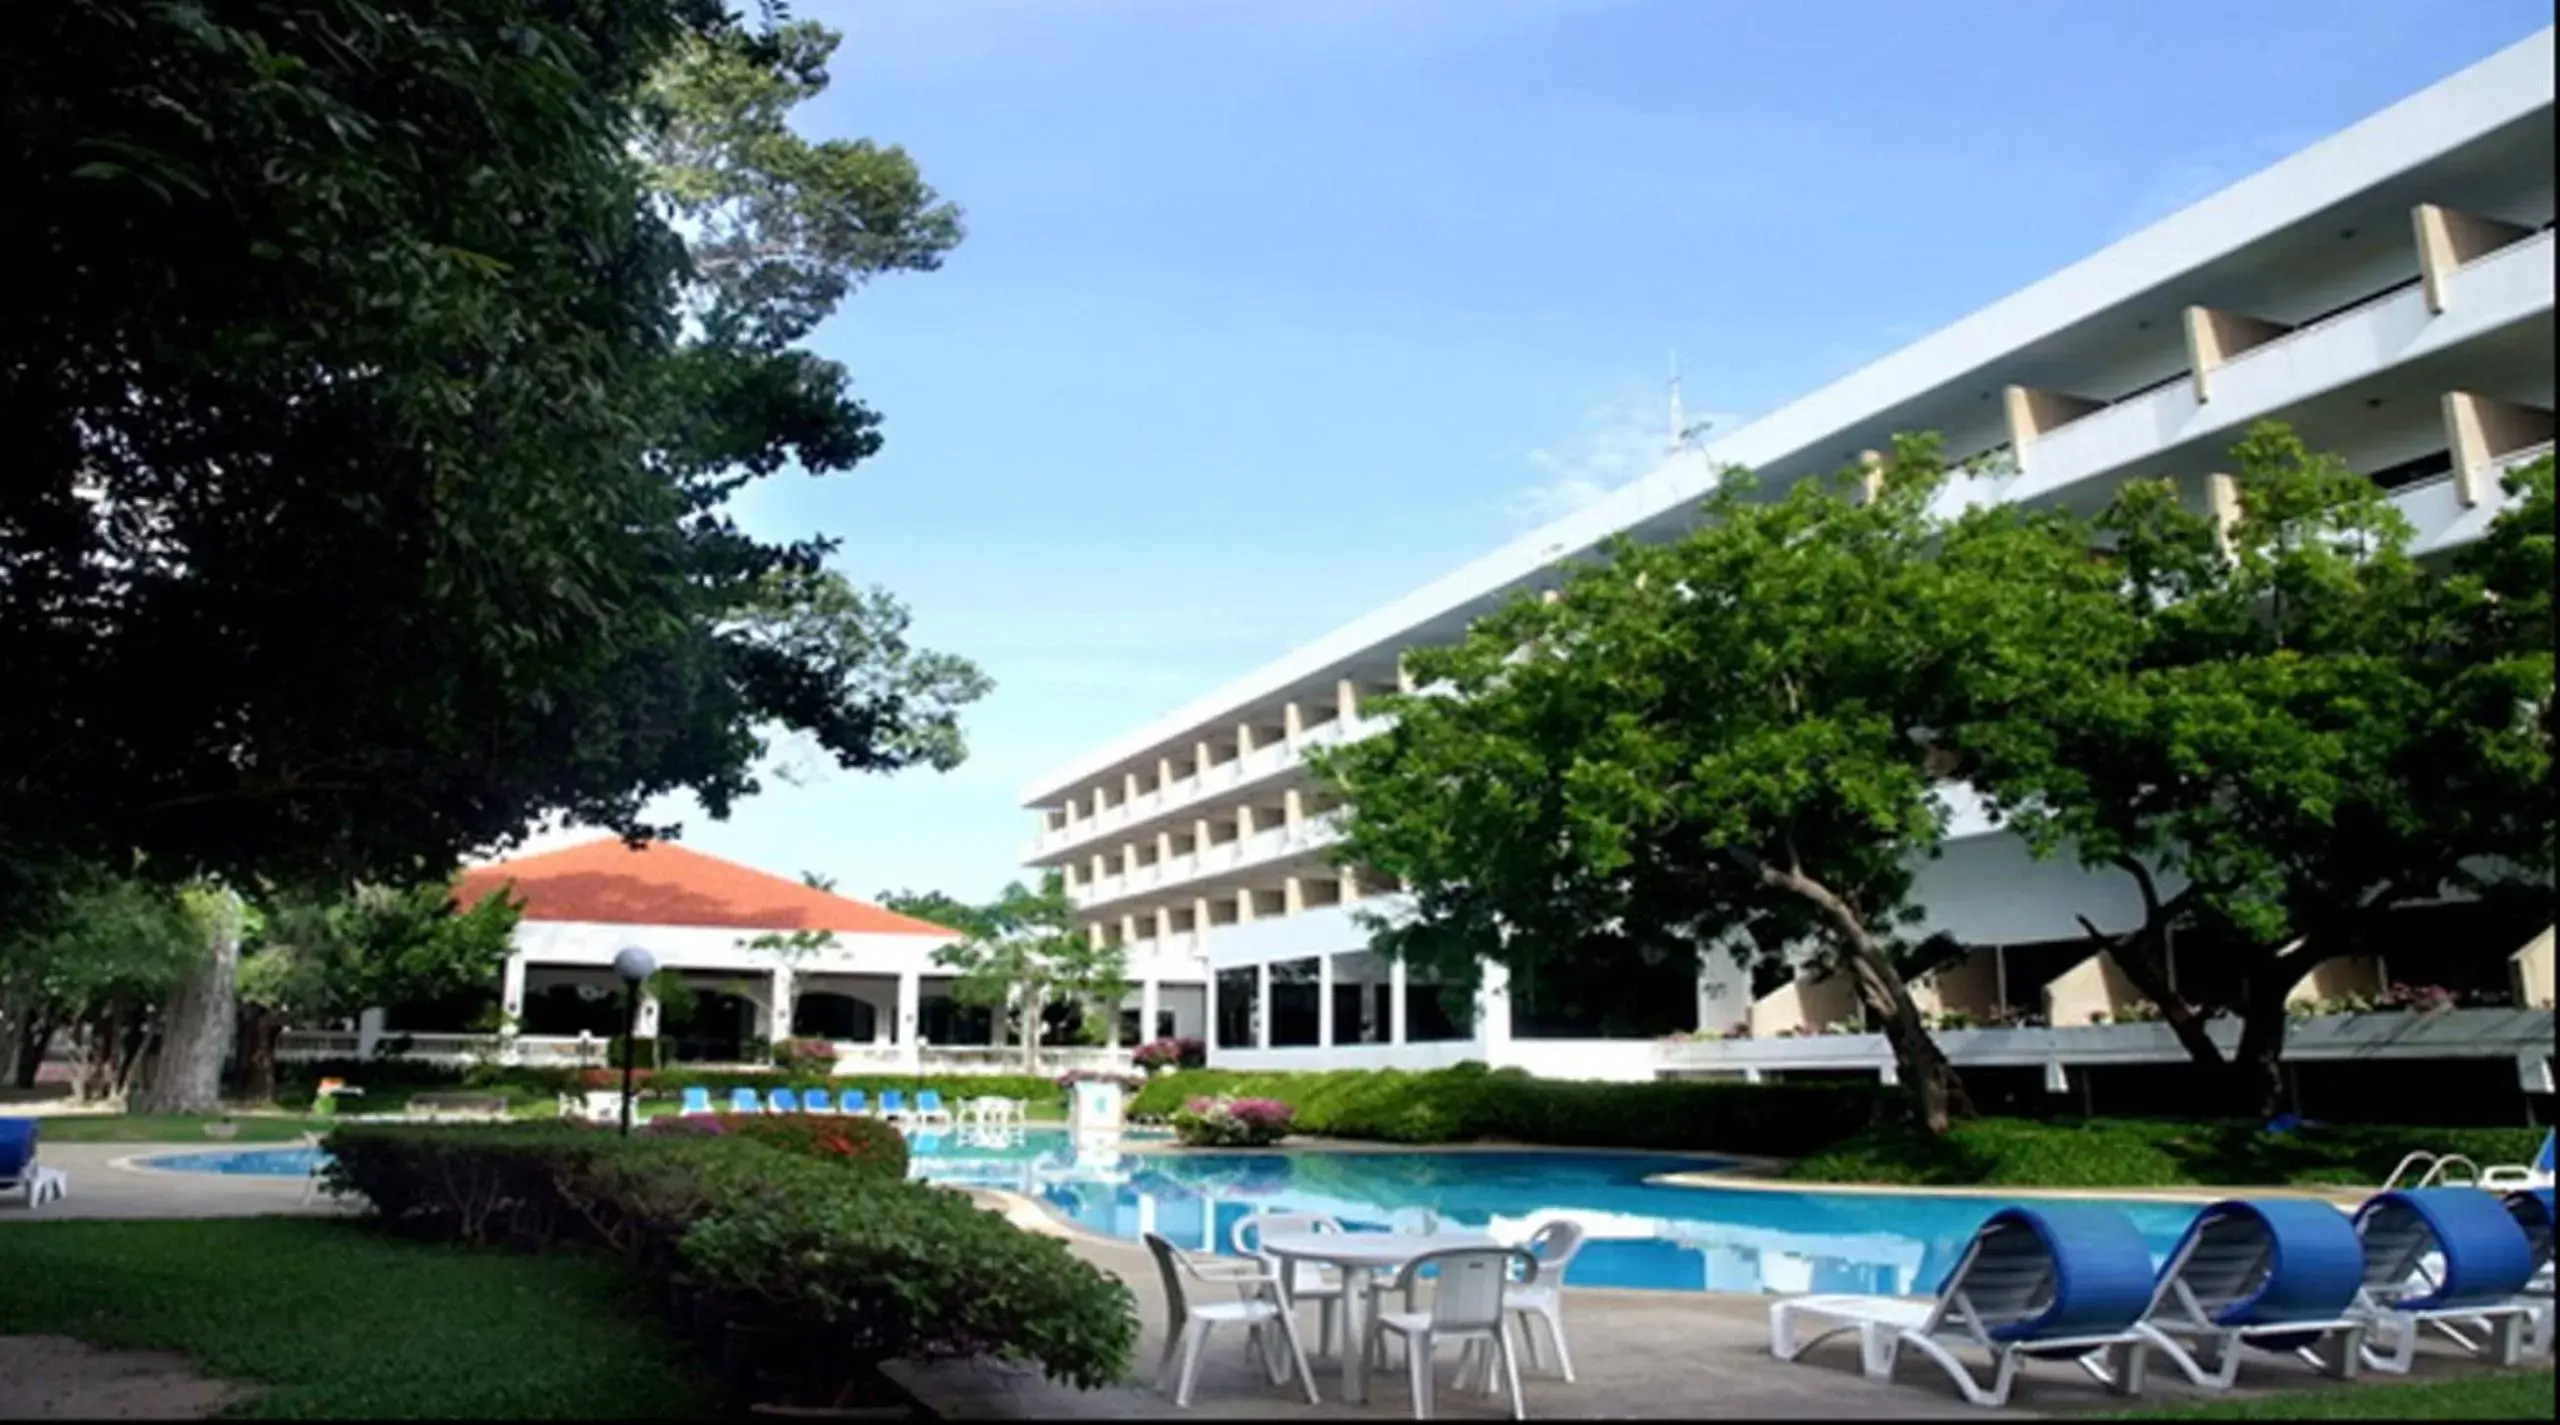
(2391, 1330)
(2228, 1268)
(1977, 1296)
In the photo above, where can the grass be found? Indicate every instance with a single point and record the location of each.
(2013, 1152)
(335, 1320)
(170, 1128)
(2524, 1396)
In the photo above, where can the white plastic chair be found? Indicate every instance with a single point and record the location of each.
(1305, 1281)
(1542, 1295)
(1466, 1306)
(1258, 1307)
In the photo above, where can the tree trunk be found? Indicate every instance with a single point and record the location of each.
(1926, 1075)
(2138, 955)
(261, 1029)
(28, 1059)
(2256, 1072)
(1031, 1027)
(198, 1028)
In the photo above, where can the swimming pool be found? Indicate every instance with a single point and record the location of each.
(1657, 1237)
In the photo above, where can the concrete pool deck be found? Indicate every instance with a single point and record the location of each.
(1638, 1354)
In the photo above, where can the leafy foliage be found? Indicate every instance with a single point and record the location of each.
(1021, 953)
(361, 404)
(1469, 1103)
(1728, 734)
(865, 1145)
(880, 1268)
(1229, 1122)
(2003, 1152)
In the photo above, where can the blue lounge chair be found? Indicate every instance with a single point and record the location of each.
(893, 1103)
(697, 1100)
(782, 1101)
(744, 1100)
(20, 1173)
(817, 1101)
(2279, 1274)
(2058, 1279)
(2435, 1256)
(929, 1107)
(855, 1101)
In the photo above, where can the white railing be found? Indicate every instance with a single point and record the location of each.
(1182, 792)
(1268, 844)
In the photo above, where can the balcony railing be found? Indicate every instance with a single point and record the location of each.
(1269, 844)
(1182, 793)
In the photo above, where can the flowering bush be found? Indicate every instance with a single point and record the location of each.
(611, 1079)
(871, 1147)
(818, 1054)
(1224, 1122)
(1158, 1055)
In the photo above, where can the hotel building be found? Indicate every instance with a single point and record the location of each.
(2387, 291)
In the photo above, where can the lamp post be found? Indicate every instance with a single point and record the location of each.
(633, 965)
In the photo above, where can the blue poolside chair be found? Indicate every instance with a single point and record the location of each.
(2058, 1279)
(697, 1100)
(929, 1107)
(782, 1101)
(744, 1100)
(893, 1103)
(2436, 1256)
(20, 1174)
(2279, 1274)
(856, 1102)
(817, 1101)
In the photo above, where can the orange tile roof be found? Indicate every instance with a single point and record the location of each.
(604, 882)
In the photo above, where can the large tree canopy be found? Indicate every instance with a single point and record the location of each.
(371, 427)
(1730, 731)
(2310, 728)
(1019, 954)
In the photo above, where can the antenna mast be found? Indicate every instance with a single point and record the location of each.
(1679, 424)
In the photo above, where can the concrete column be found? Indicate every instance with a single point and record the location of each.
(1293, 895)
(1164, 849)
(368, 1032)
(2447, 239)
(1244, 821)
(1200, 758)
(2222, 495)
(1350, 885)
(910, 1009)
(1128, 786)
(1493, 1010)
(1324, 1000)
(2481, 430)
(1100, 868)
(1150, 1005)
(778, 1020)
(511, 994)
(1396, 990)
(1244, 740)
(1200, 921)
(2031, 413)
(1128, 857)
(1129, 928)
(1262, 1005)
(1200, 836)
(1209, 1006)
(1068, 877)
(1096, 933)
(1293, 808)
(1293, 721)
(1164, 925)
(1244, 905)
(2213, 338)
(1404, 676)
(1346, 702)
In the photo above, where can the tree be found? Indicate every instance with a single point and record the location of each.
(186, 1077)
(1727, 733)
(310, 959)
(1020, 953)
(95, 952)
(373, 429)
(2309, 729)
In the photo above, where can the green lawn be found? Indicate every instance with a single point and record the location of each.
(338, 1321)
(2485, 1397)
(169, 1128)
(2133, 1152)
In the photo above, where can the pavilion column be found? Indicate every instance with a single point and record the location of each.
(511, 996)
(785, 987)
(1324, 1000)
(1493, 1010)
(910, 1011)
(1150, 1005)
(1262, 1005)
(644, 1025)
(1396, 992)
(1209, 1004)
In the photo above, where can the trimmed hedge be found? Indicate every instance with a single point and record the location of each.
(1469, 1102)
(867, 1146)
(859, 1267)
(2130, 1152)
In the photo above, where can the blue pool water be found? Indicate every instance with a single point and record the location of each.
(1638, 1234)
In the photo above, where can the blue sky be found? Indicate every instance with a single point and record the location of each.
(1270, 313)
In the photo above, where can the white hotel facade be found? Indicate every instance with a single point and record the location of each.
(2388, 291)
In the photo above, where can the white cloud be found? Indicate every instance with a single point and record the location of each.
(1621, 438)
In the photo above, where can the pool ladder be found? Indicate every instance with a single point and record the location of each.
(2431, 1168)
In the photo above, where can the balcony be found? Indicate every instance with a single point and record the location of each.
(2388, 330)
(1267, 845)
(1168, 802)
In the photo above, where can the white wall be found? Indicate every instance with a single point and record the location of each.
(695, 947)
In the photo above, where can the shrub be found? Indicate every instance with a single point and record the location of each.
(603, 1079)
(872, 1265)
(812, 1056)
(1160, 1055)
(2147, 1153)
(1232, 1122)
(1469, 1102)
(874, 1148)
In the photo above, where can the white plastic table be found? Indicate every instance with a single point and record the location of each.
(1362, 1257)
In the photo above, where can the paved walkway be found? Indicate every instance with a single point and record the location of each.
(101, 1188)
